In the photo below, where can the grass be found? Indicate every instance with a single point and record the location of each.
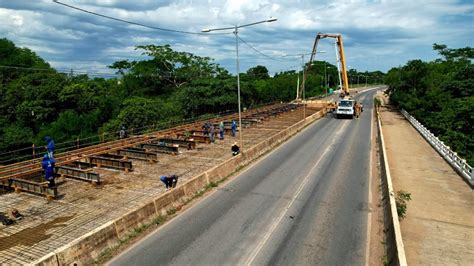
(137, 231)
(401, 201)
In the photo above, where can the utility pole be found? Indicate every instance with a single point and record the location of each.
(298, 87)
(325, 79)
(304, 105)
(236, 33)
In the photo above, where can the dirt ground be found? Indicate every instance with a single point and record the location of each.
(439, 224)
(377, 235)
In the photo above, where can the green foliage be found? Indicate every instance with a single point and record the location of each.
(440, 94)
(165, 88)
(16, 136)
(401, 200)
(136, 113)
(258, 72)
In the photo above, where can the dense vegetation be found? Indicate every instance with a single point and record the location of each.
(440, 94)
(167, 87)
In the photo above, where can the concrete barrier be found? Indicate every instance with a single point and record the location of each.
(127, 223)
(195, 184)
(88, 247)
(169, 199)
(83, 249)
(395, 248)
(49, 260)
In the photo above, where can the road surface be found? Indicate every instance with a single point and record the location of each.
(304, 203)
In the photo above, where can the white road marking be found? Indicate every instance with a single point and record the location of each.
(262, 243)
(369, 214)
(195, 203)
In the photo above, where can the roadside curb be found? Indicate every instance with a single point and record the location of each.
(89, 246)
(395, 248)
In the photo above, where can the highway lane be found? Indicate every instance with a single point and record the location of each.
(304, 203)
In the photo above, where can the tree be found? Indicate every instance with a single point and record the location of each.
(440, 95)
(258, 72)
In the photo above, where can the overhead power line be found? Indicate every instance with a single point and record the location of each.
(261, 53)
(134, 23)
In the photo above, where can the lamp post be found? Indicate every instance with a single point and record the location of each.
(304, 105)
(366, 80)
(304, 79)
(326, 80)
(236, 33)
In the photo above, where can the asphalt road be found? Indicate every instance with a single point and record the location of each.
(304, 203)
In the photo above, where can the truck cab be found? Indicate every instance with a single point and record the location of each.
(345, 108)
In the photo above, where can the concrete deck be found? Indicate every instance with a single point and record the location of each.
(82, 207)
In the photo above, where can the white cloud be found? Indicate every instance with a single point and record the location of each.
(377, 34)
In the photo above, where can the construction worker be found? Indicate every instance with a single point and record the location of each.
(211, 133)
(205, 128)
(233, 127)
(357, 110)
(170, 181)
(48, 166)
(50, 147)
(235, 149)
(221, 130)
(122, 132)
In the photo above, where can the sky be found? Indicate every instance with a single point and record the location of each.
(378, 35)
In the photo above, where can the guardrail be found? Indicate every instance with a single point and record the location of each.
(458, 163)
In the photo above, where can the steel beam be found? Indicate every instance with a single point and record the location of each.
(189, 144)
(197, 138)
(77, 173)
(138, 153)
(120, 164)
(161, 148)
(33, 187)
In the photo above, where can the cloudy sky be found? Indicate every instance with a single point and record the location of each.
(378, 35)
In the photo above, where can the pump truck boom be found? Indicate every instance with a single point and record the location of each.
(341, 56)
(346, 106)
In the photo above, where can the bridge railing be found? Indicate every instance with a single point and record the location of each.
(458, 163)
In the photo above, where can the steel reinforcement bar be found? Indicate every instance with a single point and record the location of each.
(18, 170)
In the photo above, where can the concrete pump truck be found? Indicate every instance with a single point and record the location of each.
(346, 106)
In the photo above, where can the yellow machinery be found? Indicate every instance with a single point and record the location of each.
(345, 106)
(341, 56)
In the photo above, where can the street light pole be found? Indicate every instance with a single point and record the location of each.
(325, 79)
(236, 32)
(304, 105)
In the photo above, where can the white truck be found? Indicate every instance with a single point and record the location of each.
(345, 108)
